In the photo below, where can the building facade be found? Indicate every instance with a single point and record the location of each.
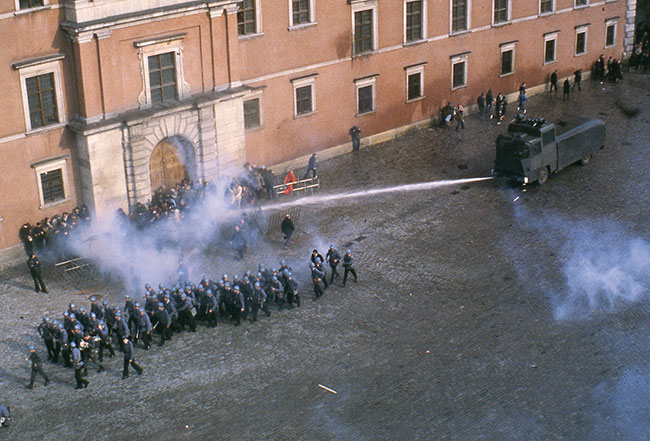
(106, 100)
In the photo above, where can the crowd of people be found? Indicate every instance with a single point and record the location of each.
(640, 57)
(84, 337)
(50, 235)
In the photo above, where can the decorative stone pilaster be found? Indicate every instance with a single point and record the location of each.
(630, 18)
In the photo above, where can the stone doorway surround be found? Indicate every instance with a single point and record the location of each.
(113, 155)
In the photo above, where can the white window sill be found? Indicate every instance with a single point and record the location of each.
(301, 26)
(364, 54)
(546, 14)
(501, 23)
(506, 74)
(251, 36)
(549, 62)
(366, 113)
(52, 204)
(581, 7)
(304, 115)
(254, 129)
(581, 54)
(45, 129)
(610, 46)
(420, 98)
(30, 10)
(459, 87)
(463, 32)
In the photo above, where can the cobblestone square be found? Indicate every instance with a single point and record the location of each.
(465, 324)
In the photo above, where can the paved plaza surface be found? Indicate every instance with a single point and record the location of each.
(484, 311)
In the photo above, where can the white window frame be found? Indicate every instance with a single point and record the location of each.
(548, 37)
(364, 5)
(608, 23)
(303, 82)
(48, 166)
(312, 16)
(258, 22)
(412, 70)
(577, 6)
(505, 48)
(468, 18)
(508, 13)
(552, 11)
(364, 82)
(251, 96)
(162, 45)
(34, 70)
(424, 22)
(463, 58)
(580, 30)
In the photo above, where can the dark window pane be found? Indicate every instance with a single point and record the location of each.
(41, 99)
(246, 18)
(154, 79)
(458, 15)
(154, 62)
(363, 34)
(52, 185)
(162, 77)
(506, 62)
(156, 96)
(414, 86)
(546, 6)
(459, 74)
(26, 4)
(414, 21)
(303, 100)
(252, 113)
(581, 43)
(549, 51)
(169, 93)
(300, 10)
(365, 99)
(610, 35)
(500, 11)
(581, 2)
(168, 76)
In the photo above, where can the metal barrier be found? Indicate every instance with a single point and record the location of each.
(297, 187)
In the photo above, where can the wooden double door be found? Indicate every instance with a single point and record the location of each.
(166, 167)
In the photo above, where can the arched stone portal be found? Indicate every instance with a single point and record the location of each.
(171, 161)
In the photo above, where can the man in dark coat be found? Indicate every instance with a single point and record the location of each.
(36, 367)
(348, 266)
(129, 358)
(311, 167)
(35, 270)
(333, 258)
(566, 88)
(287, 228)
(553, 81)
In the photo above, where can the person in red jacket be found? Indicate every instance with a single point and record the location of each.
(289, 179)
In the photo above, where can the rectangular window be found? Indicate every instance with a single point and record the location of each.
(363, 31)
(414, 23)
(162, 77)
(579, 3)
(41, 98)
(365, 95)
(252, 113)
(501, 14)
(414, 82)
(610, 34)
(27, 4)
(458, 15)
(550, 43)
(546, 6)
(507, 60)
(51, 178)
(301, 12)
(52, 185)
(459, 71)
(247, 18)
(581, 40)
(304, 102)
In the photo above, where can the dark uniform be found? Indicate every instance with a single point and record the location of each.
(287, 228)
(36, 367)
(78, 364)
(259, 301)
(317, 277)
(129, 358)
(144, 328)
(185, 316)
(104, 340)
(163, 325)
(211, 308)
(46, 331)
(35, 270)
(348, 267)
(291, 289)
(237, 305)
(333, 258)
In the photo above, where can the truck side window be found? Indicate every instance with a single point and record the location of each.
(548, 137)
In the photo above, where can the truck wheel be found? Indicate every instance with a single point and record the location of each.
(586, 159)
(543, 176)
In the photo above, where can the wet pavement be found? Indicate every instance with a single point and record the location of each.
(484, 311)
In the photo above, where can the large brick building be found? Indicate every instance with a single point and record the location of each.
(103, 101)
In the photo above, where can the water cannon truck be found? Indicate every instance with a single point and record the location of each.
(532, 149)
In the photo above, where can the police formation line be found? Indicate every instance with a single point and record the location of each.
(84, 337)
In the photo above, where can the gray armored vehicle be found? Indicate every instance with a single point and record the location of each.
(532, 149)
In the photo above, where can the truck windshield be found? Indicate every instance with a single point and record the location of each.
(515, 148)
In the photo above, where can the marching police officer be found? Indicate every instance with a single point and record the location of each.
(129, 358)
(35, 270)
(164, 324)
(237, 306)
(348, 266)
(259, 301)
(46, 332)
(333, 258)
(211, 308)
(36, 367)
(144, 327)
(78, 364)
